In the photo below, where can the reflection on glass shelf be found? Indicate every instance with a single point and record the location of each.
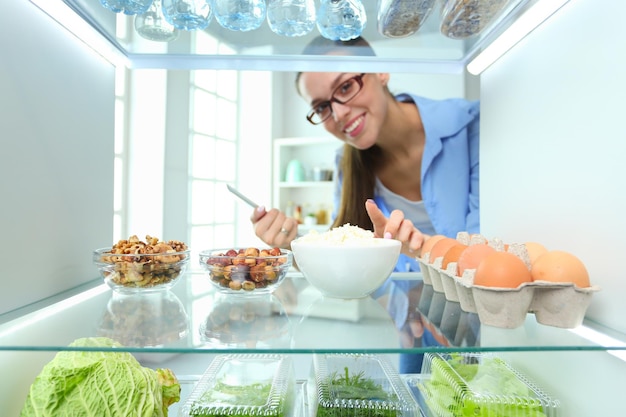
(255, 322)
(437, 322)
(144, 320)
(404, 316)
(351, 324)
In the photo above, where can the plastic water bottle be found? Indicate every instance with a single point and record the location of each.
(152, 25)
(129, 7)
(341, 19)
(291, 17)
(188, 14)
(240, 15)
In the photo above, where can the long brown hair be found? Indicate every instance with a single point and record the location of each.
(358, 168)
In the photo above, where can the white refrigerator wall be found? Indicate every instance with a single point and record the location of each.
(553, 145)
(56, 157)
(552, 171)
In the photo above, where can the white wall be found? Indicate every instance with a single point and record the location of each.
(552, 170)
(554, 134)
(56, 156)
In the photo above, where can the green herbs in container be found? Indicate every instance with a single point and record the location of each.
(354, 385)
(480, 385)
(244, 386)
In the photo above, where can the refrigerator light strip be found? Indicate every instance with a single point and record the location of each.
(521, 27)
(45, 313)
(601, 339)
(78, 27)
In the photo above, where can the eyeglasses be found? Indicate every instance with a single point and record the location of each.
(346, 91)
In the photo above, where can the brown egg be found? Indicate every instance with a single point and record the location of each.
(452, 255)
(503, 270)
(471, 257)
(534, 250)
(441, 247)
(560, 266)
(428, 245)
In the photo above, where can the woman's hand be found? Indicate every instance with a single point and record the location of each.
(396, 227)
(273, 227)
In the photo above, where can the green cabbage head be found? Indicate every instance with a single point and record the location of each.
(102, 384)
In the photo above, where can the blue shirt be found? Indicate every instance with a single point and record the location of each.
(449, 175)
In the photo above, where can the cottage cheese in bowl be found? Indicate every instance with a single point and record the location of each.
(338, 236)
(345, 262)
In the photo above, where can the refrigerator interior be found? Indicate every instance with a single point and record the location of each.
(551, 167)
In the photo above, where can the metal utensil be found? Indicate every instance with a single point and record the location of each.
(241, 196)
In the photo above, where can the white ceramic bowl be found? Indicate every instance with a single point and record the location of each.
(349, 270)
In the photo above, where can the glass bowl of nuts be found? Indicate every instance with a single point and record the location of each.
(133, 265)
(246, 270)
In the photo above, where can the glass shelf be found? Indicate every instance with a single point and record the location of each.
(426, 50)
(305, 184)
(194, 318)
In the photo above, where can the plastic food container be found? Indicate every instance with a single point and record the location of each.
(462, 384)
(244, 386)
(401, 18)
(461, 19)
(356, 385)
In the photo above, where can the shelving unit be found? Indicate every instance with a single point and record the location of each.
(310, 195)
(295, 320)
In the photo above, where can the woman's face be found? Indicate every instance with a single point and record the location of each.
(359, 121)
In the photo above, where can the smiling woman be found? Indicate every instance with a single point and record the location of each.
(390, 157)
(344, 92)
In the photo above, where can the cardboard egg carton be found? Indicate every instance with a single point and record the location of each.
(430, 272)
(425, 268)
(554, 304)
(447, 281)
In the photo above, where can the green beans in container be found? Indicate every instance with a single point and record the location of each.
(357, 385)
(402, 18)
(244, 385)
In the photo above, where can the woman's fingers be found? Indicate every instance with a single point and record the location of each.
(415, 241)
(395, 222)
(283, 230)
(257, 214)
(409, 235)
(274, 228)
(395, 227)
(378, 218)
(405, 230)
